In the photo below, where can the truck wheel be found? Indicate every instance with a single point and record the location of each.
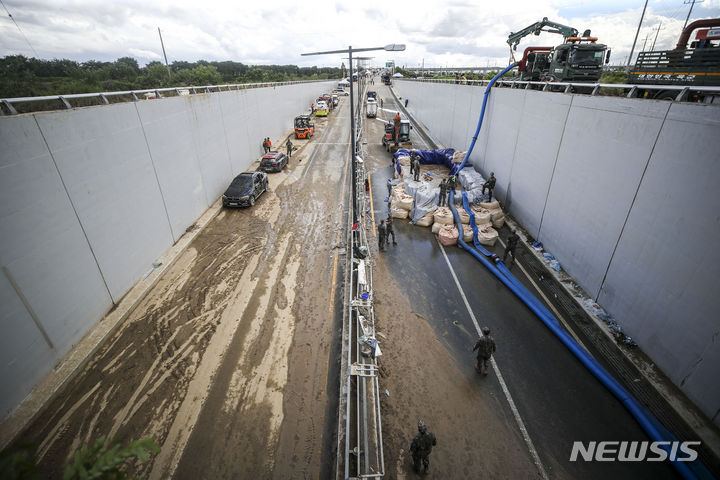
(668, 95)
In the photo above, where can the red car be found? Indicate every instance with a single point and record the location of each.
(273, 162)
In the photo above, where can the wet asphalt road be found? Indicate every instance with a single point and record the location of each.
(557, 398)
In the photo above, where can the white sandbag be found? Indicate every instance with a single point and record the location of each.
(490, 205)
(470, 179)
(444, 216)
(405, 202)
(482, 215)
(404, 160)
(487, 235)
(425, 221)
(426, 200)
(448, 235)
(436, 227)
(411, 186)
(458, 156)
(398, 213)
(463, 215)
(467, 233)
(498, 217)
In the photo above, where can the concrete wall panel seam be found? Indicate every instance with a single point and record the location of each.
(508, 193)
(157, 180)
(77, 216)
(557, 154)
(637, 189)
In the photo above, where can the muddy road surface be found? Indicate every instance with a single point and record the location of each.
(226, 360)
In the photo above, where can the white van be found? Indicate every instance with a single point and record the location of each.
(371, 108)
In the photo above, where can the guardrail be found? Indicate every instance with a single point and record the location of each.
(9, 106)
(708, 94)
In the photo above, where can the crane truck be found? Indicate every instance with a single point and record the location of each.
(698, 65)
(577, 59)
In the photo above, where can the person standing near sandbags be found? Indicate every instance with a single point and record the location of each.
(415, 160)
(389, 230)
(443, 194)
(490, 185)
(512, 242)
(382, 235)
(485, 347)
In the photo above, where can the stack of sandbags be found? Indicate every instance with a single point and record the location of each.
(458, 157)
(448, 235)
(487, 235)
(463, 216)
(404, 201)
(496, 214)
(443, 216)
(470, 179)
(467, 233)
(426, 199)
(404, 160)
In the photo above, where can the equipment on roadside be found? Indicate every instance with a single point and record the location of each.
(397, 134)
(304, 128)
(698, 65)
(385, 77)
(578, 59)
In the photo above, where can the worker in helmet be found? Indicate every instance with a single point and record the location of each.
(485, 347)
(421, 447)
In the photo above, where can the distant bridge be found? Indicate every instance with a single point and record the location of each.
(452, 70)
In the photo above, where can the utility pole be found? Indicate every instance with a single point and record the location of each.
(636, 35)
(164, 55)
(645, 41)
(692, 4)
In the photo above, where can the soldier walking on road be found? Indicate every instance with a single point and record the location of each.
(382, 235)
(421, 447)
(490, 185)
(485, 347)
(512, 242)
(443, 194)
(390, 231)
(289, 147)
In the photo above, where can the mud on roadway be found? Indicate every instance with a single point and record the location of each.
(225, 361)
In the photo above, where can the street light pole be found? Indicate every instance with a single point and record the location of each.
(393, 47)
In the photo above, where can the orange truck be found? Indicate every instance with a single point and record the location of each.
(304, 128)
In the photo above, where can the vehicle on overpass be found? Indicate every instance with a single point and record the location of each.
(335, 100)
(273, 162)
(372, 94)
(577, 59)
(321, 109)
(245, 189)
(698, 65)
(397, 134)
(341, 92)
(304, 128)
(371, 108)
(385, 77)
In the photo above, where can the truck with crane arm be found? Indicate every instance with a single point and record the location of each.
(577, 59)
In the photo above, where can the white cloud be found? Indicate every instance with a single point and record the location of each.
(455, 32)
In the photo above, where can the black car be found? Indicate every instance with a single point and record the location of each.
(273, 162)
(245, 189)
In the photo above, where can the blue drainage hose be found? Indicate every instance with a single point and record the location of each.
(647, 421)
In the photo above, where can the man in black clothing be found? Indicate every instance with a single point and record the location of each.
(382, 235)
(485, 347)
(512, 242)
(389, 229)
(490, 185)
(443, 194)
(421, 447)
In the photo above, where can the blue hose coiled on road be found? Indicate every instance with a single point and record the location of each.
(647, 421)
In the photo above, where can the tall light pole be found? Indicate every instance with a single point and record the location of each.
(393, 47)
(636, 35)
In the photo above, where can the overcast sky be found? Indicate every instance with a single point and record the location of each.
(459, 33)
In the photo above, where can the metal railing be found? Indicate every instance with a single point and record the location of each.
(62, 102)
(684, 92)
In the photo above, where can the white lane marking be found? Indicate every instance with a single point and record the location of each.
(513, 408)
(548, 302)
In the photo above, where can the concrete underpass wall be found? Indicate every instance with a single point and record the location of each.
(90, 197)
(623, 192)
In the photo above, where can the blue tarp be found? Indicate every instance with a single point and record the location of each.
(430, 157)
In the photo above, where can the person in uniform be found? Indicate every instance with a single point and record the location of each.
(415, 159)
(490, 185)
(382, 235)
(421, 447)
(289, 147)
(389, 229)
(443, 193)
(512, 242)
(485, 347)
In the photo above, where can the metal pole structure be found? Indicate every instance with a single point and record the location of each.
(656, 35)
(636, 35)
(692, 4)
(164, 55)
(352, 142)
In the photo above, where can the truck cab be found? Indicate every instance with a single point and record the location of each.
(575, 61)
(371, 108)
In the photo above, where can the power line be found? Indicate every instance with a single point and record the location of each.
(19, 29)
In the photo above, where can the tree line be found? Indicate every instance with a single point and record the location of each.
(30, 77)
